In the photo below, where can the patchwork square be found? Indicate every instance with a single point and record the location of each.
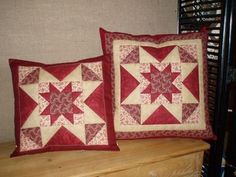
(161, 87)
(107, 38)
(62, 106)
(132, 52)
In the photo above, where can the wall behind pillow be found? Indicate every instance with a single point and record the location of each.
(52, 31)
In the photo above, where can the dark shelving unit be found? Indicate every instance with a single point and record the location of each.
(218, 16)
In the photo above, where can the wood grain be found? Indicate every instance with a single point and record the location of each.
(140, 155)
(174, 167)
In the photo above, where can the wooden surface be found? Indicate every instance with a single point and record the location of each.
(182, 166)
(151, 157)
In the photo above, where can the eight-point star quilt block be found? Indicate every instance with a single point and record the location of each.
(63, 106)
(161, 88)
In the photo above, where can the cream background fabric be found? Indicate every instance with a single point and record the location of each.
(63, 30)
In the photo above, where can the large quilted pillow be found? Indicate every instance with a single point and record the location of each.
(63, 106)
(161, 87)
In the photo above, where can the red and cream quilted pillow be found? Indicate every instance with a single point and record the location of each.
(161, 87)
(62, 106)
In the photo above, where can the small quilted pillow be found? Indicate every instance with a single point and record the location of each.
(63, 106)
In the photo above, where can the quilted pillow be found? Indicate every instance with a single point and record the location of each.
(161, 87)
(63, 106)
